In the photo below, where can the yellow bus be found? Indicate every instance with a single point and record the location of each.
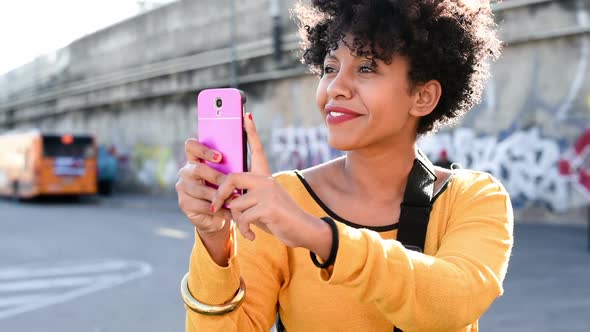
(34, 164)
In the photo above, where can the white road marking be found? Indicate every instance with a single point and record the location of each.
(171, 232)
(20, 287)
(38, 284)
(17, 273)
(18, 300)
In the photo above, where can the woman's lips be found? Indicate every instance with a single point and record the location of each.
(336, 115)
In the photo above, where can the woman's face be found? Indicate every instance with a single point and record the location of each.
(365, 104)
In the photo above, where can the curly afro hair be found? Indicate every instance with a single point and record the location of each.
(445, 40)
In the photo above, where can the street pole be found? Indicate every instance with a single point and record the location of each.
(233, 52)
(275, 14)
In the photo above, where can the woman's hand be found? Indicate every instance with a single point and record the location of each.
(194, 196)
(266, 204)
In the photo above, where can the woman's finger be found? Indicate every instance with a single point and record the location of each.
(224, 192)
(246, 219)
(196, 152)
(230, 185)
(194, 207)
(202, 171)
(238, 203)
(187, 172)
(195, 189)
(258, 160)
(242, 202)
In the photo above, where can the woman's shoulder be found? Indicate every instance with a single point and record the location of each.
(290, 181)
(312, 174)
(468, 181)
(475, 194)
(286, 176)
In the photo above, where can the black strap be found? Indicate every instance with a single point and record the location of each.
(280, 327)
(416, 207)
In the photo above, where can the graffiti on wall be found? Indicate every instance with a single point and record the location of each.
(534, 168)
(575, 164)
(299, 148)
(531, 167)
(156, 165)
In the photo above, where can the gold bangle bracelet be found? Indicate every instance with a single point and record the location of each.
(207, 309)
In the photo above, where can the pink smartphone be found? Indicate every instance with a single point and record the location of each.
(220, 116)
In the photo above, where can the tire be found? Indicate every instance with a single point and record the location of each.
(15, 191)
(105, 187)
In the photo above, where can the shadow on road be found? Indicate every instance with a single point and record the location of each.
(56, 200)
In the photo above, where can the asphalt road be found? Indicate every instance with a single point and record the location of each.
(548, 282)
(71, 266)
(114, 265)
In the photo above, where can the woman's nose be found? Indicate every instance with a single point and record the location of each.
(340, 86)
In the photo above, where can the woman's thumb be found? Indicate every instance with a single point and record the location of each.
(259, 164)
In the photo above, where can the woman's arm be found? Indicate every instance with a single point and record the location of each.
(443, 292)
(217, 264)
(262, 265)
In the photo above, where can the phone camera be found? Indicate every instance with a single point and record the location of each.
(218, 102)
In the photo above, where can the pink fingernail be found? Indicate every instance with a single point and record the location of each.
(250, 116)
(216, 156)
(211, 208)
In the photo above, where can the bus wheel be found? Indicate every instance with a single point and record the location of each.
(15, 191)
(105, 187)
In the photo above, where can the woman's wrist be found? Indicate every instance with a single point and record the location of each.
(218, 244)
(317, 237)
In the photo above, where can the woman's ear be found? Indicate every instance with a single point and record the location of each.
(426, 97)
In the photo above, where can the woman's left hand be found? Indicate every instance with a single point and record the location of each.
(266, 203)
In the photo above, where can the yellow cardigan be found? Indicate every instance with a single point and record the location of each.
(375, 282)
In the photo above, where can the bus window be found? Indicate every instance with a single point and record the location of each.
(79, 147)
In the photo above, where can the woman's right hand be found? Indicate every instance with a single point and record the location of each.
(194, 196)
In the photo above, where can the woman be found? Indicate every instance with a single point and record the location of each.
(390, 70)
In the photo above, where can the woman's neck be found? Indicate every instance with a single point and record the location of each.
(381, 174)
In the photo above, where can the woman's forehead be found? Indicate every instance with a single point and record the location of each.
(345, 50)
(355, 47)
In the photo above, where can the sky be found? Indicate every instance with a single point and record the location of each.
(29, 28)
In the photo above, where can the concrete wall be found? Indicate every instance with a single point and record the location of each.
(173, 31)
(532, 128)
(134, 85)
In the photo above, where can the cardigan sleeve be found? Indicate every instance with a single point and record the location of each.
(443, 292)
(261, 263)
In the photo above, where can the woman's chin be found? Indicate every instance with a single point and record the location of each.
(343, 144)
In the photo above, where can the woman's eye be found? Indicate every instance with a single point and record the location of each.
(366, 69)
(329, 69)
